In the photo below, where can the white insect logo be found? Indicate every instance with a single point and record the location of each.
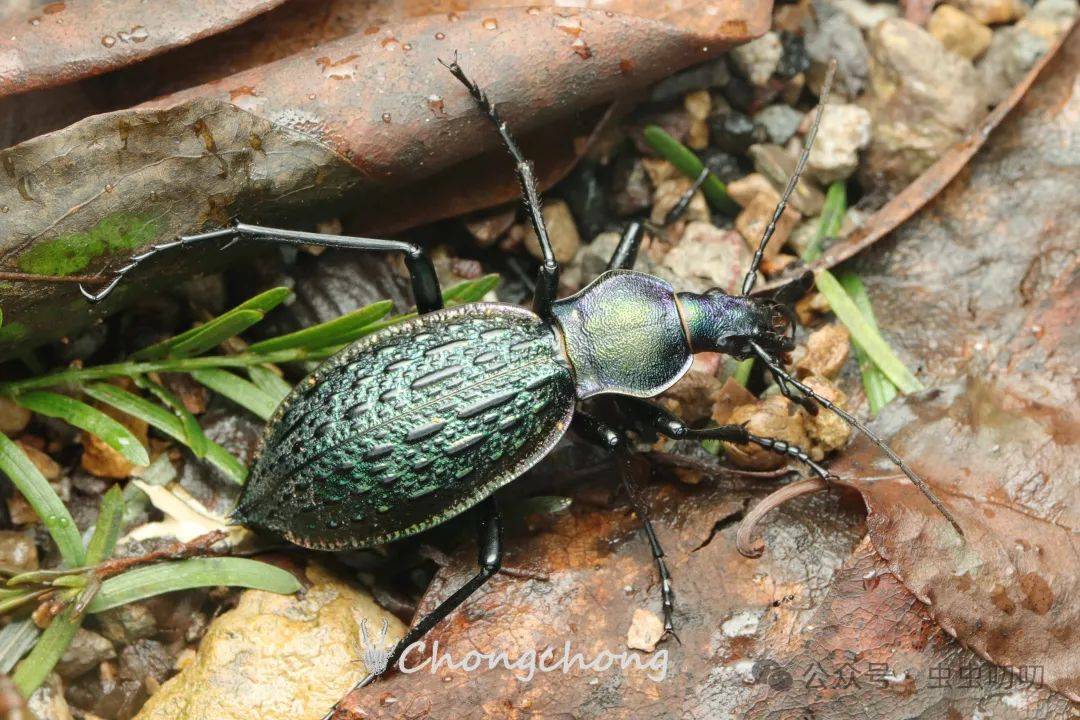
(376, 654)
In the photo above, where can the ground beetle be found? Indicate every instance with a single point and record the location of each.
(421, 421)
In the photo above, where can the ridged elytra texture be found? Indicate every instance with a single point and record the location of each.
(408, 427)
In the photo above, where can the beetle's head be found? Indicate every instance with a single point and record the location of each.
(718, 322)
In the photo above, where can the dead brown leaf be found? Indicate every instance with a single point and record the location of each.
(358, 124)
(59, 42)
(981, 290)
(872, 650)
(599, 575)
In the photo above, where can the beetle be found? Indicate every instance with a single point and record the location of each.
(424, 420)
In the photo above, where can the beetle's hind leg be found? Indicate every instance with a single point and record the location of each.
(425, 283)
(547, 280)
(490, 551)
(605, 436)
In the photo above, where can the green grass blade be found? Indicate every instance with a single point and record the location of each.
(266, 301)
(742, 371)
(471, 290)
(145, 582)
(690, 165)
(832, 217)
(90, 419)
(16, 639)
(103, 541)
(32, 671)
(36, 489)
(226, 462)
(161, 419)
(879, 389)
(864, 333)
(135, 406)
(242, 392)
(269, 382)
(193, 432)
(261, 304)
(333, 332)
(215, 332)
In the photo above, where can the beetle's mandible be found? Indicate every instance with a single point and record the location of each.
(424, 420)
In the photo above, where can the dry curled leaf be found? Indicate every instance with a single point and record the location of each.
(356, 124)
(987, 307)
(58, 42)
(872, 650)
(598, 574)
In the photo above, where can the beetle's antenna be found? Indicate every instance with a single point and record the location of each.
(782, 376)
(751, 274)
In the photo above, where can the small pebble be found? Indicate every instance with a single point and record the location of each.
(759, 59)
(13, 418)
(562, 230)
(707, 257)
(698, 104)
(669, 192)
(781, 122)
(724, 166)
(794, 59)
(751, 223)
(746, 188)
(867, 15)
(844, 131)
(631, 188)
(825, 352)
(1050, 19)
(991, 12)
(959, 32)
(778, 165)
(646, 630)
(734, 132)
(712, 74)
(838, 37)
(1013, 51)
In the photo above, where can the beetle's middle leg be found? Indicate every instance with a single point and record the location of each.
(599, 433)
(490, 551)
(425, 283)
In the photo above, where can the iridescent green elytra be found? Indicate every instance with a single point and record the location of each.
(409, 427)
(420, 421)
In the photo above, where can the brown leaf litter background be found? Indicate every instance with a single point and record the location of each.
(978, 291)
(367, 123)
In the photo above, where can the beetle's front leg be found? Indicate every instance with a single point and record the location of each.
(656, 418)
(605, 436)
